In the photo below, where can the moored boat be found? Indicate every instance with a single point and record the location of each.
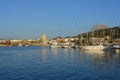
(95, 47)
(116, 46)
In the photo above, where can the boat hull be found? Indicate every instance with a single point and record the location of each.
(99, 47)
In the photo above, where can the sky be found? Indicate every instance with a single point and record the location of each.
(29, 19)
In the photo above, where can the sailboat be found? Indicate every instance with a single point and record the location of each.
(117, 45)
(95, 47)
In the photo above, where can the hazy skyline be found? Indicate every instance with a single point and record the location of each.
(20, 19)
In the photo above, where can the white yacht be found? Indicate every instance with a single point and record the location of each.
(116, 46)
(95, 47)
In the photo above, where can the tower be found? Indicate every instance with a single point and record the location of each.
(44, 38)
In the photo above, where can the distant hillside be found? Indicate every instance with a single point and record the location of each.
(114, 32)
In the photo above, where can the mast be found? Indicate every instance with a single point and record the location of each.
(111, 36)
(81, 39)
(92, 35)
(87, 38)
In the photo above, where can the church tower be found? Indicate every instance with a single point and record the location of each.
(44, 39)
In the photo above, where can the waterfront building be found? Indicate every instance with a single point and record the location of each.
(5, 43)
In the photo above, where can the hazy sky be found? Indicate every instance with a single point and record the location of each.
(31, 18)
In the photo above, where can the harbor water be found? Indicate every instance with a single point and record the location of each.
(44, 63)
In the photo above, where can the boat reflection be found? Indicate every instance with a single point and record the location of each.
(101, 59)
(54, 50)
(117, 51)
(93, 51)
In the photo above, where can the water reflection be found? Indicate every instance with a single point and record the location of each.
(103, 59)
(117, 51)
(102, 55)
(95, 56)
(54, 50)
(43, 52)
(63, 64)
(92, 52)
(66, 50)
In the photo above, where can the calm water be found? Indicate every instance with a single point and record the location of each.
(44, 63)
